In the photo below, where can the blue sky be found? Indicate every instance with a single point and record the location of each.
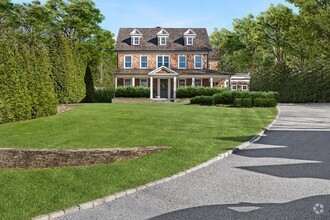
(177, 13)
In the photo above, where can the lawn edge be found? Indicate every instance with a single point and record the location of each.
(117, 195)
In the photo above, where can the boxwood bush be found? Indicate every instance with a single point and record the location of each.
(201, 100)
(264, 102)
(247, 102)
(191, 91)
(132, 92)
(103, 95)
(238, 102)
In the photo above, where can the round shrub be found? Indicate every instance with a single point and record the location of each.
(247, 102)
(224, 98)
(238, 102)
(103, 95)
(132, 92)
(201, 100)
(264, 102)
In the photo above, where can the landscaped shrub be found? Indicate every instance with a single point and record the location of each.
(191, 91)
(201, 100)
(238, 102)
(224, 98)
(264, 102)
(103, 95)
(247, 102)
(132, 92)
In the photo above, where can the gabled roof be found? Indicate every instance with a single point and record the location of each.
(136, 32)
(163, 70)
(162, 32)
(175, 40)
(189, 32)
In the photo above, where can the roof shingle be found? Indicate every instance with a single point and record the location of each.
(175, 41)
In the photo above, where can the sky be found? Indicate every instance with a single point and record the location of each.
(208, 14)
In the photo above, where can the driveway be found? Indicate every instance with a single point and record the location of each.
(285, 175)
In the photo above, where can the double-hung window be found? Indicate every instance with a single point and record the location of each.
(182, 62)
(198, 62)
(162, 41)
(144, 82)
(127, 82)
(128, 62)
(198, 82)
(143, 62)
(163, 61)
(182, 82)
(190, 40)
(244, 87)
(233, 87)
(136, 40)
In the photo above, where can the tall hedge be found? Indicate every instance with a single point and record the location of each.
(68, 71)
(26, 88)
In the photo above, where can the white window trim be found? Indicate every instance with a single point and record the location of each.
(139, 39)
(160, 41)
(247, 88)
(169, 60)
(232, 87)
(141, 82)
(129, 80)
(192, 41)
(185, 82)
(200, 80)
(141, 62)
(185, 63)
(125, 62)
(195, 62)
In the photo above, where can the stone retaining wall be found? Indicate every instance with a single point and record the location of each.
(45, 158)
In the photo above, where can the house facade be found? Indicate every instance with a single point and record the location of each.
(165, 59)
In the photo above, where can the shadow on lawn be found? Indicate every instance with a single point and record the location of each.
(316, 207)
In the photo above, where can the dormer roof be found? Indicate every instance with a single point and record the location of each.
(163, 33)
(136, 32)
(189, 32)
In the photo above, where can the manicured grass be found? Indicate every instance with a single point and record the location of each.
(195, 134)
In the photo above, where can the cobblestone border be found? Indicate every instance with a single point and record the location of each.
(118, 195)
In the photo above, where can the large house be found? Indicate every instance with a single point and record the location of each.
(165, 59)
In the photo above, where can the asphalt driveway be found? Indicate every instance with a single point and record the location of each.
(285, 175)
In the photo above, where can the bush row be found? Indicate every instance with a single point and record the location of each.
(103, 95)
(238, 99)
(132, 92)
(192, 91)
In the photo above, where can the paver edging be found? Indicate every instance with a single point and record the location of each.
(112, 197)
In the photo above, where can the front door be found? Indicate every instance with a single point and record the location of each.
(163, 88)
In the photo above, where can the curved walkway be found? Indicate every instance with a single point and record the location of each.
(285, 175)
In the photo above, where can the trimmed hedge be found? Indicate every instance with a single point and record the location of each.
(191, 91)
(103, 95)
(264, 102)
(228, 97)
(132, 92)
(202, 100)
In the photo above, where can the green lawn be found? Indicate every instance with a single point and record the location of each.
(195, 134)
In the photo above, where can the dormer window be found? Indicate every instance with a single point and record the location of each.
(189, 37)
(136, 40)
(190, 40)
(162, 41)
(162, 37)
(136, 37)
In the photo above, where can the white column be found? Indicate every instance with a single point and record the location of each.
(133, 81)
(169, 88)
(116, 82)
(211, 82)
(158, 87)
(193, 81)
(174, 87)
(151, 87)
